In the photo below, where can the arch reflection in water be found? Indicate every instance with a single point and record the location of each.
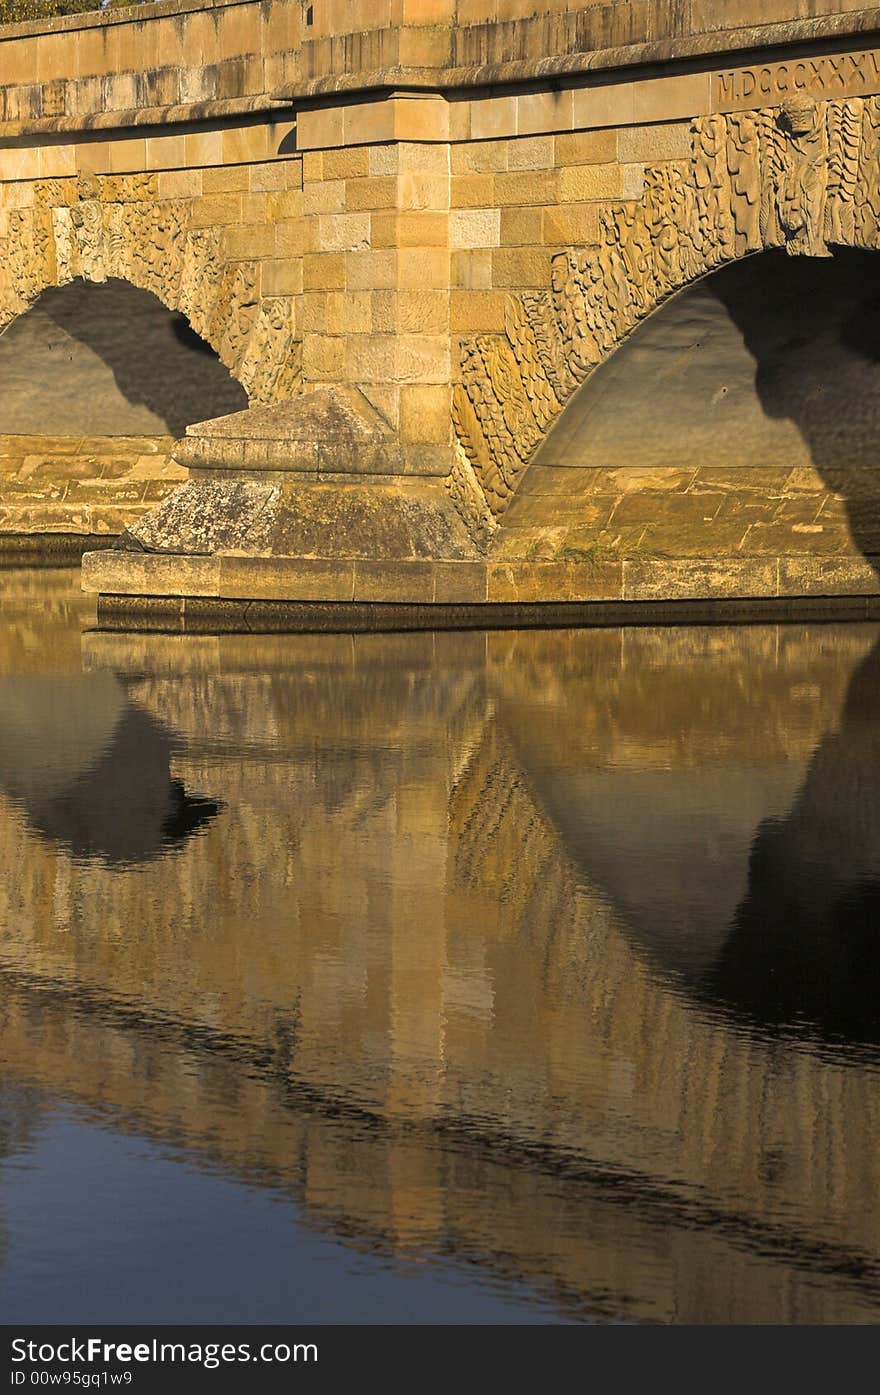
(803, 951)
(90, 769)
(439, 975)
(122, 805)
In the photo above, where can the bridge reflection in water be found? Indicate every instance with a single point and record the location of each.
(548, 952)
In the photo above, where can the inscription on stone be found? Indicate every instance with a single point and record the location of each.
(770, 84)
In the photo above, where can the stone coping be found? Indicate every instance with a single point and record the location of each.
(328, 431)
(686, 50)
(316, 461)
(655, 51)
(543, 72)
(220, 109)
(485, 582)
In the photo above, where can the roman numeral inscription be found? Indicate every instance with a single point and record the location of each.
(834, 75)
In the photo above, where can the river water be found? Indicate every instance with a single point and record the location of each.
(498, 977)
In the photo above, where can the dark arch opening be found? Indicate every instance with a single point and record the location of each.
(747, 411)
(108, 360)
(96, 383)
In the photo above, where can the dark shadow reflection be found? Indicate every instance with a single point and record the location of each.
(804, 947)
(100, 787)
(741, 868)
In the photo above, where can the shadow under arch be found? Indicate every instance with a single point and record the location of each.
(812, 326)
(108, 359)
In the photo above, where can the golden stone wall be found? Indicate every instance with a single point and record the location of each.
(458, 209)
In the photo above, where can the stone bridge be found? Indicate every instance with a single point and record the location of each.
(443, 302)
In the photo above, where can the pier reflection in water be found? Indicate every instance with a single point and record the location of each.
(542, 962)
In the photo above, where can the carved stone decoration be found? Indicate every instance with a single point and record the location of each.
(802, 182)
(464, 489)
(101, 226)
(271, 370)
(236, 312)
(803, 176)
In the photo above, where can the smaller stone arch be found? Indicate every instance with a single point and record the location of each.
(98, 227)
(804, 177)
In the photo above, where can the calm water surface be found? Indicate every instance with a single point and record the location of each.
(509, 977)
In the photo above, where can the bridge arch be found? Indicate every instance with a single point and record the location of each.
(742, 418)
(100, 227)
(108, 360)
(97, 382)
(803, 178)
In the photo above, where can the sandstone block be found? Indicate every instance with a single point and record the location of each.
(471, 270)
(545, 111)
(217, 210)
(180, 184)
(328, 196)
(274, 175)
(525, 187)
(579, 183)
(489, 157)
(151, 574)
(282, 276)
(522, 227)
(344, 232)
(651, 144)
(350, 163)
(520, 267)
(475, 227)
(422, 359)
(472, 191)
(426, 267)
(403, 582)
(246, 240)
(324, 358)
(493, 117)
(417, 190)
(477, 312)
(320, 128)
(285, 578)
(586, 147)
(324, 271)
(570, 225)
(459, 583)
(425, 413)
(531, 152)
(370, 270)
(375, 192)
